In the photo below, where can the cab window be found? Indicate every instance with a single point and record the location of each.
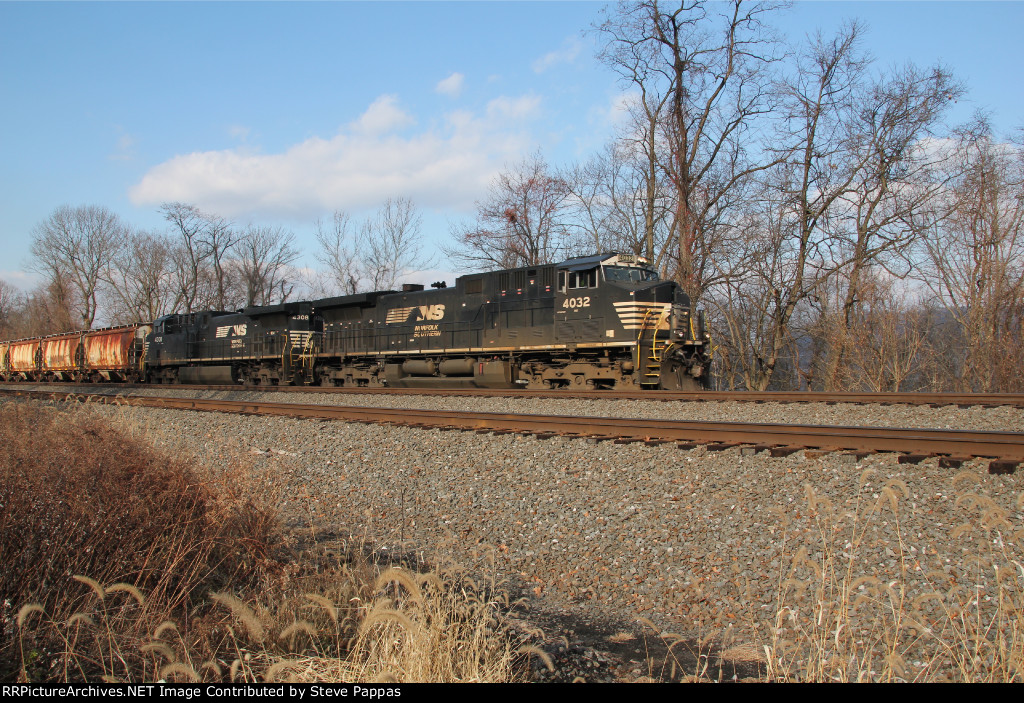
(628, 274)
(583, 279)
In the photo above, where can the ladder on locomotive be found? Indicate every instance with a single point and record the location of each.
(650, 346)
(299, 360)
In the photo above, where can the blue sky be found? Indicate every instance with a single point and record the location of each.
(280, 112)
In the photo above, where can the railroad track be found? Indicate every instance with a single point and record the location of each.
(953, 447)
(930, 399)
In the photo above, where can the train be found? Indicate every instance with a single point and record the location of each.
(601, 321)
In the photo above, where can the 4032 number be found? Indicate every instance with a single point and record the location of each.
(575, 303)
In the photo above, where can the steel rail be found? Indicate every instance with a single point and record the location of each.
(1006, 446)
(932, 399)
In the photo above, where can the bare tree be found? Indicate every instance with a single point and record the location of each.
(704, 81)
(140, 278)
(636, 62)
(887, 345)
(218, 238)
(203, 276)
(337, 253)
(188, 255)
(521, 223)
(373, 254)
(615, 205)
(845, 197)
(772, 275)
(390, 244)
(974, 263)
(72, 248)
(895, 176)
(264, 256)
(50, 308)
(11, 301)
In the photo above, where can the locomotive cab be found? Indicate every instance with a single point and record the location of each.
(596, 297)
(643, 326)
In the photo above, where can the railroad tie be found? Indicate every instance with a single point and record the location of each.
(1002, 466)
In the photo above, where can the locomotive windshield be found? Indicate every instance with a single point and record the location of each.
(629, 274)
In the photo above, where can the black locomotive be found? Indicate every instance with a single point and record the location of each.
(597, 321)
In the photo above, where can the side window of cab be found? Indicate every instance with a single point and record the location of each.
(583, 279)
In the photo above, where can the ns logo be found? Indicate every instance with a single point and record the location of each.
(231, 330)
(415, 314)
(431, 312)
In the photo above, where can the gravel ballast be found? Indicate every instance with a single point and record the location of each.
(705, 544)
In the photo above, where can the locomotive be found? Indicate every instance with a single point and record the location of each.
(590, 322)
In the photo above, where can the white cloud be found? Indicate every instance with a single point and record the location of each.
(451, 86)
(505, 108)
(382, 116)
(571, 48)
(446, 167)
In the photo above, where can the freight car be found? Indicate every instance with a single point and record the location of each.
(598, 322)
(109, 354)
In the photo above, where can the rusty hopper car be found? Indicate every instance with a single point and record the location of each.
(24, 359)
(61, 356)
(115, 354)
(598, 321)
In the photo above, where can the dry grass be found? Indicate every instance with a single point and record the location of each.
(862, 597)
(127, 565)
(842, 618)
(82, 499)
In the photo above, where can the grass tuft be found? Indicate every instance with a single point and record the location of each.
(842, 616)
